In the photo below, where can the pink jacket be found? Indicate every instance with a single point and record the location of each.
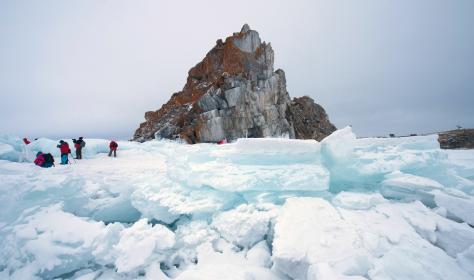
(39, 160)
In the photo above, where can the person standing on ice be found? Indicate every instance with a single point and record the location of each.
(79, 144)
(113, 148)
(65, 151)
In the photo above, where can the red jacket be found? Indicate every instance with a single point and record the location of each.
(26, 141)
(39, 160)
(113, 145)
(65, 148)
(77, 146)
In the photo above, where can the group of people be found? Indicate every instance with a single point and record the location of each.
(46, 160)
(65, 150)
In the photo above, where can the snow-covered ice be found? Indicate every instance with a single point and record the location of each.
(345, 208)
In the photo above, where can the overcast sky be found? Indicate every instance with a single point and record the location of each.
(93, 67)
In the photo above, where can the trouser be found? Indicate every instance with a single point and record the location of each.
(115, 152)
(64, 159)
(79, 153)
(47, 165)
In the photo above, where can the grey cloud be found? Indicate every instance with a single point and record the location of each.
(94, 67)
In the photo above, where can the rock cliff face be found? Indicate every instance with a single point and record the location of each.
(235, 92)
(309, 119)
(457, 139)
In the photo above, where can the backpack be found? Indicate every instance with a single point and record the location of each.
(83, 144)
(48, 158)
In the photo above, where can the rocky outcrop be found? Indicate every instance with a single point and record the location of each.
(233, 93)
(309, 119)
(457, 139)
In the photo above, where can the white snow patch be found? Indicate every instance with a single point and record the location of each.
(138, 242)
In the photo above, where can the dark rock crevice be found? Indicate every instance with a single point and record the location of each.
(309, 119)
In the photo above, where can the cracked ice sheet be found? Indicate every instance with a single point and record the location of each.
(253, 164)
(47, 239)
(214, 194)
(48, 242)
(226, 264)
(374, 242)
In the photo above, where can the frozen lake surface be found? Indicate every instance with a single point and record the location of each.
(345, 208)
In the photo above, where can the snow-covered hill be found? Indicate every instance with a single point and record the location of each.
(344, 208)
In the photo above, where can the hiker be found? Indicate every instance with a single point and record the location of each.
(26, 141)
(113, 148)
(39, 159)
(44, 160)
(65, 151)
(223, 141)
(79, 144)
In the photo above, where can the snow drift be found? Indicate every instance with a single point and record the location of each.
(344, 208)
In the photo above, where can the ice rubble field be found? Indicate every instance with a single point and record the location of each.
(344, 208)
